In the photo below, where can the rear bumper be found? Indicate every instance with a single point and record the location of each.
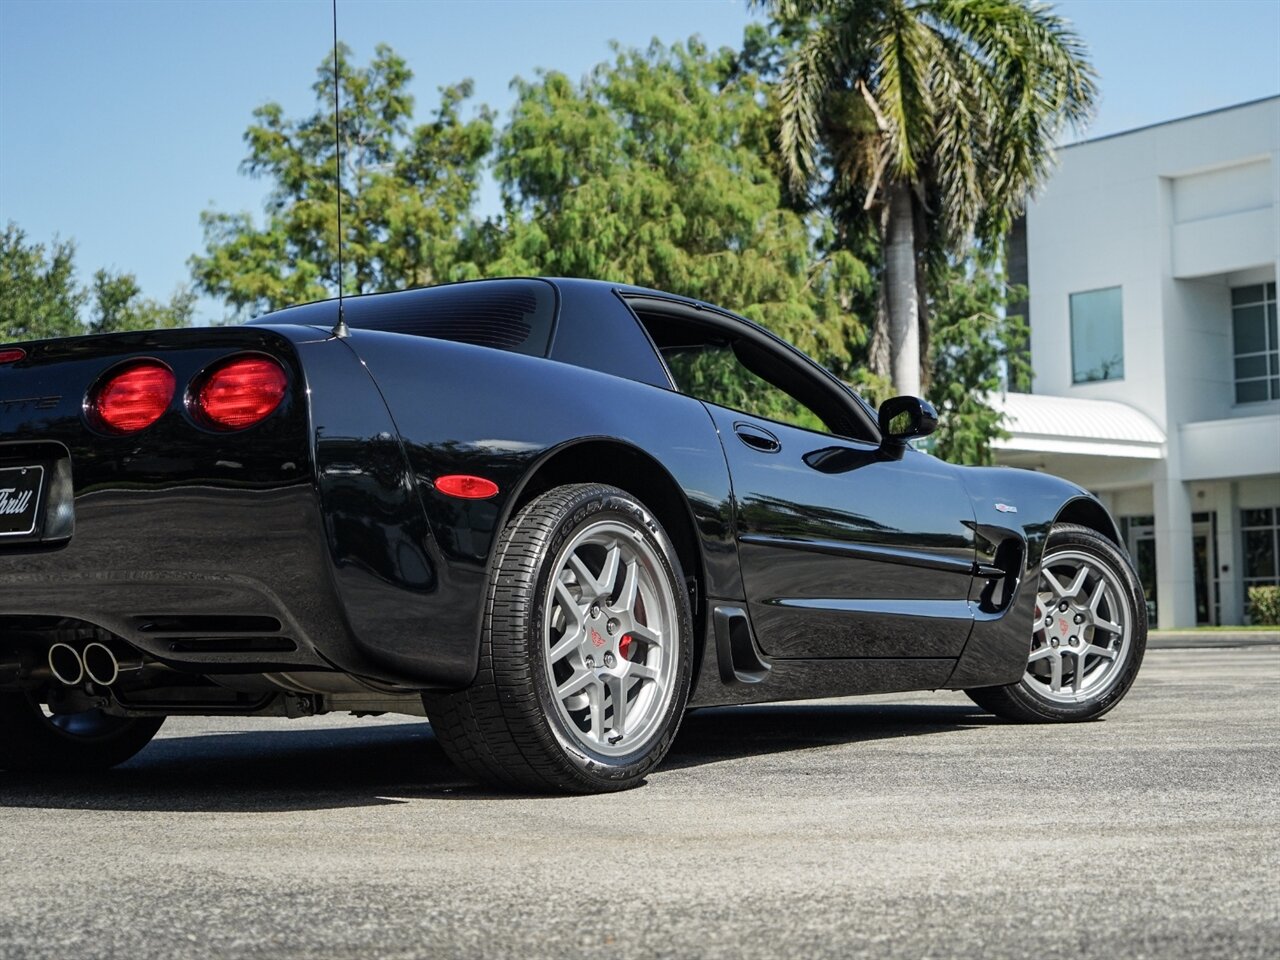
(195, 576)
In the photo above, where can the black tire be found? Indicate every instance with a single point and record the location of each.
(506, 728)
(1029, 700)
(86, 742)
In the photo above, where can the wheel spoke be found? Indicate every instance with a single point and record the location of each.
(595, 709)
(641, 632)
(565, 645)
(1078, 581)
(1099, 592)
(586, 579)
(575, 683)
(1077, 682)
(1098, 651)
(1040, 654)
(618, 695)
(642, 671)
(1107, 626)
(1054, 584)
(1055, 673)
(630, 588)
(569, 604)
(609, 573)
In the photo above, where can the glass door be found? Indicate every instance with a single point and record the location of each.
(1204, 552)
(1140, 538)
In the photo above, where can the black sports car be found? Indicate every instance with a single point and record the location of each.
(549, 515)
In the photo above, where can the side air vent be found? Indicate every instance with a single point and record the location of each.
(223, 645)
(1000, 576)
(737, 655)
(206, 625)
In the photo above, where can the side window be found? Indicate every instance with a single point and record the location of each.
(714, 374)
(1097, 336)
(1257, 347)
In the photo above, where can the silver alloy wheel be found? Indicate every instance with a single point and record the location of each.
(609, 631)
(1082, 631)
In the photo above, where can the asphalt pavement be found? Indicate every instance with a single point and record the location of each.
(903, 826)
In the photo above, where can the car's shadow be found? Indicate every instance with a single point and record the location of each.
(308, 769)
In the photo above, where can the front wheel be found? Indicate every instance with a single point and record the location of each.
(87, 742)
(585, 650)
(1088, 637)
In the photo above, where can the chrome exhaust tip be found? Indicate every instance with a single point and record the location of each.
(66, 664)
(100, 664)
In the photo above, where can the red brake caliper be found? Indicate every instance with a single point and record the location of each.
(624, 646)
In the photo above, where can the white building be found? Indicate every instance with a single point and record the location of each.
(1151, 261)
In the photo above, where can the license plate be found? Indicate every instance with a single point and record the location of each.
(19, 499)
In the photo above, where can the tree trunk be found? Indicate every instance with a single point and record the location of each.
(903, 296)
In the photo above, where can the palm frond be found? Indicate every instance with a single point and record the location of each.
(801, 96)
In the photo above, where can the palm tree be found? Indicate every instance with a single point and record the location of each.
(938, 116)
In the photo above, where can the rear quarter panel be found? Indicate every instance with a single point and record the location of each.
(458, 408)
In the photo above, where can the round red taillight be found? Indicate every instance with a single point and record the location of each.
(238, 393)
(133, 396)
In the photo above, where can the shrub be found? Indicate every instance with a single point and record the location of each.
(1264, 605)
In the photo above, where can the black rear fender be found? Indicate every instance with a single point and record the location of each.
(462, 409)
(203, 547)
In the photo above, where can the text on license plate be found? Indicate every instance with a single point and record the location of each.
(19, 499)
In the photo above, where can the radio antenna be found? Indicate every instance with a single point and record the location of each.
(340, 328)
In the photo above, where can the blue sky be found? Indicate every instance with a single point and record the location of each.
(120, 122)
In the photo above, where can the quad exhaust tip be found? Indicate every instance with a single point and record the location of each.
(97, 663)
(101, 664)
(66, 664)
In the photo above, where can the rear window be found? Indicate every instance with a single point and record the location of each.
(513, 315)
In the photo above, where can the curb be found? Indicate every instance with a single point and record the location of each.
(1211, 640)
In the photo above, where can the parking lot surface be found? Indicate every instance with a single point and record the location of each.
(903, 826)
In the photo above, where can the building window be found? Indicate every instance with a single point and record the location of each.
(1257, 349)
(1097, 336)
(1261, 530)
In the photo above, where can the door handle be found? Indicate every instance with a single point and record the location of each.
(757, 438)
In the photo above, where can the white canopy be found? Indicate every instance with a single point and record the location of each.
(1104, 428)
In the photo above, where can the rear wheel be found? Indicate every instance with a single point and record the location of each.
(1088, 637)
(585, 650)
(35, 740)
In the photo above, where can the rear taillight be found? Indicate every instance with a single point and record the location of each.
(11, 354)
(239, 392)
(132, 396)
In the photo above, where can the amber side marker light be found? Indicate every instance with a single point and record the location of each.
(132, 397)
(11, 354)
(466, 487)
(239, 392)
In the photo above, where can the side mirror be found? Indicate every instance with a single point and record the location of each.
(903, 418)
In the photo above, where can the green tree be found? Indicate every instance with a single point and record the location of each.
(117, 304)
(937, 117)
(407, 193)
(41, 298)
(657, 169)
(975, 351)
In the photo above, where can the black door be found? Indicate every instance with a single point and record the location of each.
(845, 553)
